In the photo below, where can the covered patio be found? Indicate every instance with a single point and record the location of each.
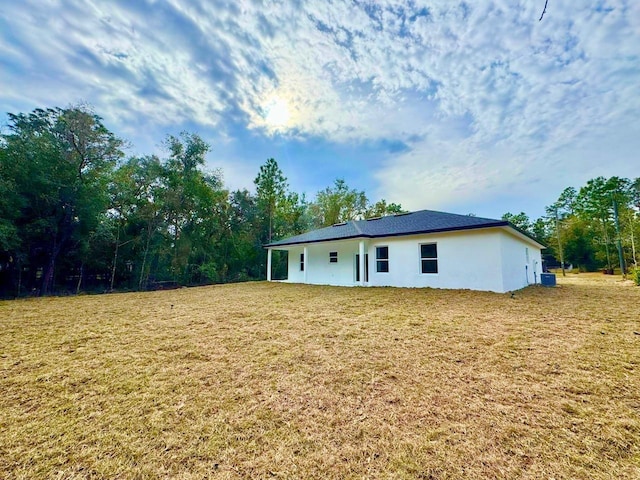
(343, 263)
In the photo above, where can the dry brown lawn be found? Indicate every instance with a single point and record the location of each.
(263, 380)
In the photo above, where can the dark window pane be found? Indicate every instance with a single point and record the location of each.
(382, 266)
(429, 251)
(382, 253)
(302, 257)
(333, 257)
(429, 266)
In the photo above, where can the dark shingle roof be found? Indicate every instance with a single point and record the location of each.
(423, 221)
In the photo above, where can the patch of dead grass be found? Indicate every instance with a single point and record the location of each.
(263, 380)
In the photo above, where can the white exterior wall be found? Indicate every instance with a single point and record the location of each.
(295, 275)
(490, 260)
(468, 260)
(518, 271)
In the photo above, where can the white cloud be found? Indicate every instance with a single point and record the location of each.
(485, 94)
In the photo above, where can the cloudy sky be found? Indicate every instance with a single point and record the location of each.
(469, 107)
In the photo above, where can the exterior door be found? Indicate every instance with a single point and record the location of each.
(366, 267)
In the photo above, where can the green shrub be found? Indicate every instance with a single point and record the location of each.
(635, 275)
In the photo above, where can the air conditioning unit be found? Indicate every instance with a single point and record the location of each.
(548, 279)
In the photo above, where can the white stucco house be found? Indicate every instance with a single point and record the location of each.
(416, 249)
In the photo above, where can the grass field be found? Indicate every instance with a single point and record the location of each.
(263, 380)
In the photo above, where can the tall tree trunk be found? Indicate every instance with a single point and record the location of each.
(560, 244)
(115, 260)
(47, 279)
(80, 278)
(64, 230)
(176, 259)
(144, 258)
(619, 239)
(633, 246)
(606, 244)
(19, 264)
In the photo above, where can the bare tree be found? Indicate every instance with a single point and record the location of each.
(544, 10)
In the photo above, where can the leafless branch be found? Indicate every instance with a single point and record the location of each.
(544, 10)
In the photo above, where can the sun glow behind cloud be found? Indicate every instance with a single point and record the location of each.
(276, 114)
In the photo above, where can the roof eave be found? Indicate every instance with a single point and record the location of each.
(527, 235)
(304, 242)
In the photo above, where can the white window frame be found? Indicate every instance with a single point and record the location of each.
(428, 258)
(382, 259)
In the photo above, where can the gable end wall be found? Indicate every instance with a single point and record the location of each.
(518, 271)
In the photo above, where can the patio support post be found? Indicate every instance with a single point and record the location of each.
(305, 253)
(361, 266)
(268, 265)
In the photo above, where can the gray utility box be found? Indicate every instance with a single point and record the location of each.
(548, 279)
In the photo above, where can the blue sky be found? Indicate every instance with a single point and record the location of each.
(467, 107)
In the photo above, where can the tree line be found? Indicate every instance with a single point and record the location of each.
(76, 214)
(594, 227)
